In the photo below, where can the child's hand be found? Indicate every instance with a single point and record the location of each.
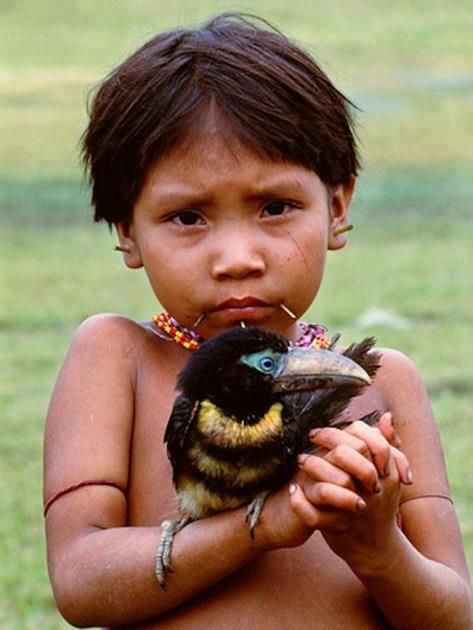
(350, 489)
(376, 444)
(323, 495)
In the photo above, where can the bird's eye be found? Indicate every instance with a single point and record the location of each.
(265, 361)
(266, 364)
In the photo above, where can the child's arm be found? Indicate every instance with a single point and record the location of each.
(417, 575)
(103, 571)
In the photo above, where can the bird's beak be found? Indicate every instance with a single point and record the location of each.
(308, 368)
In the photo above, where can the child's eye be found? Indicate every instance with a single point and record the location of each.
(278, 208)
(187, 218)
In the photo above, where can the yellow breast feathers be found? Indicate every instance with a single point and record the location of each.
(228, 432)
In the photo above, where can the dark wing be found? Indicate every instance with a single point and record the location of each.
(370, 419)
(180, 421)
(292, 442)
(321, 407)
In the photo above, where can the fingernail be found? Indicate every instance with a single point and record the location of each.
(314, 432)
(409, 477)
(292, 488)
(360, 505)
(302, 458)
(376, 487)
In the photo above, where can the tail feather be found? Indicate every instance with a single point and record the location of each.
(362, 354)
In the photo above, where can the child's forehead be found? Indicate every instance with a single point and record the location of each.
(214, 141)
(216, 153)
(216, 147)
(213, 150)
(210, 165)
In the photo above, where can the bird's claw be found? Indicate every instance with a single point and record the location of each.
(254, 510)
(163, 554)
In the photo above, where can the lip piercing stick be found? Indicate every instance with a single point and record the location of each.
(288, 311)
(199, 320)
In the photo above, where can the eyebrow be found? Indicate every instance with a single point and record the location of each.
(279, 187)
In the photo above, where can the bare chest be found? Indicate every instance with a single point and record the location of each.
(306, 587)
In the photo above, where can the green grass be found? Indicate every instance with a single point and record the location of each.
(405, 64)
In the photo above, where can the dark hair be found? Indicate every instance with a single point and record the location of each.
(270, 93)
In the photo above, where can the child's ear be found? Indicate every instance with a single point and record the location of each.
(128, 245)
(340, 199)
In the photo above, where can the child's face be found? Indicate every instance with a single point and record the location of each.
(233, 235)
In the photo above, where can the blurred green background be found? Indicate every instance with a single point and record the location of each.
(407, 65)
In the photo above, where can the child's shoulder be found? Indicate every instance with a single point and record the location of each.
(405, 395)
(101, 325)
(113, 333)
(114, 344)
(398, 373)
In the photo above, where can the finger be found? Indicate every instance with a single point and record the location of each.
(328, 495)
(330, 437)
(386, 426)
(313, 517)
(379, 447)
(355, 464)
(301, 507)
(319, 469)
(403, 468)
(334, 521)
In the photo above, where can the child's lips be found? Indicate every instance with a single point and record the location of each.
(243, 302)
(246, 309)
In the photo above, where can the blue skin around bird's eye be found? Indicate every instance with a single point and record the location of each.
(266, 361)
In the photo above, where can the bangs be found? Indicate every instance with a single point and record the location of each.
(251, 84)
(204, 120)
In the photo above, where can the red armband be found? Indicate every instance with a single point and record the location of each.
(76, 486)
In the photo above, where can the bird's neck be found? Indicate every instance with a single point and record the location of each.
(245, 408)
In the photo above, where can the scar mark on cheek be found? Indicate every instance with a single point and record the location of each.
(299, 249)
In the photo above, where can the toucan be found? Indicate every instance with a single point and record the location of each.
(248, 399)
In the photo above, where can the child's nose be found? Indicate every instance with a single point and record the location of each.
(238, 256)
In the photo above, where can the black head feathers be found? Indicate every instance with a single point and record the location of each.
(215, 364)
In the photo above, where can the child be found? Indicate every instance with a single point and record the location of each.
(225, 160)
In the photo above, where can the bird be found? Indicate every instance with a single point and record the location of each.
(247, 402)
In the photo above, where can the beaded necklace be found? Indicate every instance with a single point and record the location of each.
(310, 335)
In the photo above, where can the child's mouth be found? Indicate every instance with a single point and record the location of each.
(248, 309)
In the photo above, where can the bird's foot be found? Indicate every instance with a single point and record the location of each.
(163, 555)
(254, 510)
